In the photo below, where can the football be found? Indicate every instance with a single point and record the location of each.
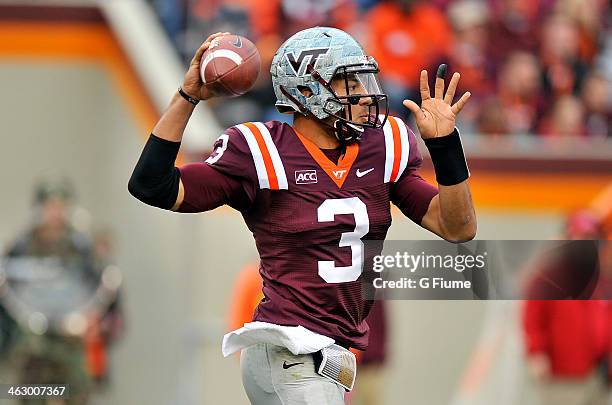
(230, 65)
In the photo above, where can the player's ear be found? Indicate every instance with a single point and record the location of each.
(305, 90)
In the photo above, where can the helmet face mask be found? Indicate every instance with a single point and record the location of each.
(357, 85)
(344, 90)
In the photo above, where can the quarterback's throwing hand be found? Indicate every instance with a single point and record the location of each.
(436, 116)
(192, 83)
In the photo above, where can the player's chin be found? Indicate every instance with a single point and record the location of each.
(367, 118)
(362, 119)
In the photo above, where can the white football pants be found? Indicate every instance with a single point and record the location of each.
(272, 375)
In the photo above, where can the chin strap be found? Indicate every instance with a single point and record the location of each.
(344, 131)
(347, 132)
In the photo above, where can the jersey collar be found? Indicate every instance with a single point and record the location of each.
(337, 172)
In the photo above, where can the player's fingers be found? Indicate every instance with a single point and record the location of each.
(424, 84)
(414, 108)
(452, 88)
(461, 103)
(198, 55)
(215, 35)
(205, 45)
(440, 76)
(439, 89)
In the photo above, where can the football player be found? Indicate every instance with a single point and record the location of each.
(311, 193)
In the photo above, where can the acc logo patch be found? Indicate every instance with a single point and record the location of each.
(305, 176)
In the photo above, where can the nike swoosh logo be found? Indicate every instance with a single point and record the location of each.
(238, 42)
(286, 366)
(361, 174)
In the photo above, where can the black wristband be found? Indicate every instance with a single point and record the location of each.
(448, 159)
(188, 97)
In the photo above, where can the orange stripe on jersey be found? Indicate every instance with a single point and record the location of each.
(397, 148)
(265, 153)
(337, 172)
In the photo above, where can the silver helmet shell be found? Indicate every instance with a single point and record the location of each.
(326, 50)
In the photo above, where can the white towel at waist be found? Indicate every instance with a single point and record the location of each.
(297, 339)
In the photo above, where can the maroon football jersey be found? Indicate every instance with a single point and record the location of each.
(310, 215)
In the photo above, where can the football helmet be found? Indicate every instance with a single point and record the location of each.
(314, 57)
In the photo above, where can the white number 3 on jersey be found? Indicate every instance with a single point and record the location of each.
(326, 213)
(218, 152)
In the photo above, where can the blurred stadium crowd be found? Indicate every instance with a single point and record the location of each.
(540, 67)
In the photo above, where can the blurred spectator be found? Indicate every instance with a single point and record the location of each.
(7, 328)
(245, 296)
(109, 326)
(172, 14)
(562, 65)
(604, 58)
(442, 4)
(567, 341)
(471, 23)
(590, 17)
(273, 21)
(48, 357)
(596, 99)
(515, 26)
(492, 118)
(584, 224)
(565, 119)
(283, 18)
(470, 20)
(365, 5)
(518, 96)
(405, 37)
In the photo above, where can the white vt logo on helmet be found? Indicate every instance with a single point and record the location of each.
(305, 57)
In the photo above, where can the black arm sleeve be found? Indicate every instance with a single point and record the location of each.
(155, 180)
